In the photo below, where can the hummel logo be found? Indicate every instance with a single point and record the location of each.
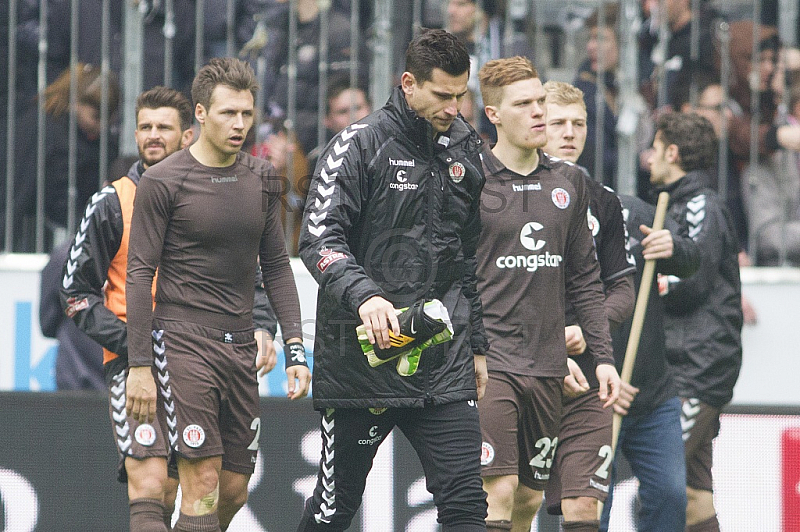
(401, 162)
(230, 179)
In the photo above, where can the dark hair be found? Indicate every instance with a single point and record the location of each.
(683, 85)
(228, 71)
(610, 18)
(693, 135)
(337, 84)
(436, 49)
(166, 97)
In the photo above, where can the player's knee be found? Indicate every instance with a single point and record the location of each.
(700, 505)
(579, 508)
(501, 489)
(207, 503)
(232, 500)
(146, 478)
(170, 493)
(672, 496)
(527, 501)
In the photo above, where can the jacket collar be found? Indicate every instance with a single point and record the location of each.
(495, 166)
(687, 186)
(135, 172)
(419, 128)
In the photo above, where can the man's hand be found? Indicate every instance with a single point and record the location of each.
(481, 375)
(267, 356)
(140, 390)
(296, 368)
(656, 244)
(749, 312)
(302, 375)
(576, 344)
(609, 383)
(575, 383)
(627, 393)
(379, 316)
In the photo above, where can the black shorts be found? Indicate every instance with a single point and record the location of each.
(520, 418)
(582, 466)
(133, 439)
(700, 423)
(209, 390)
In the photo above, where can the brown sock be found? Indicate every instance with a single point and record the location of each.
(197, 523)
(581, 526)
(147, 515)
(709, 525)
(498, 526)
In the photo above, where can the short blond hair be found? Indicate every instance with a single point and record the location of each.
(498, 73)
(561, 93)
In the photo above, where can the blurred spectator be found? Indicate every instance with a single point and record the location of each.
(215, 25)
(345, 106)
(603, 57)
(771, 137)
(711, 105)
(772, 197)
(470, 110)
(56, 156)
(89, 35)
(307, 43)
(79, 362)
(277, 146)
(678, 57)
(480, 28)
(787, 73)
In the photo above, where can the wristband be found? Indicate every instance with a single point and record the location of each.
(295, 354)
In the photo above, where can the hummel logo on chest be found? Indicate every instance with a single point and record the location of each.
(401, 162)
(230, 179)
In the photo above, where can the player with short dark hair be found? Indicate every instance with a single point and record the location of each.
(392, 220)
(93, 293)
(536, 251)
(203, 216)
(703, 319)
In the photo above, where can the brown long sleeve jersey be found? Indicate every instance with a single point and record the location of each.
(203, 228)
(536, 249)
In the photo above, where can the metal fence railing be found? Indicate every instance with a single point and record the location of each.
(300, 48)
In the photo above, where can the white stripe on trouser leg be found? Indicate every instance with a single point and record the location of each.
(689, 411)
(328, 505)
(117, 399)
(160, 361)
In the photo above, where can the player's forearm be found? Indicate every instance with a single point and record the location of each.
(100, 324)
(282, 293)
(620, 300)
